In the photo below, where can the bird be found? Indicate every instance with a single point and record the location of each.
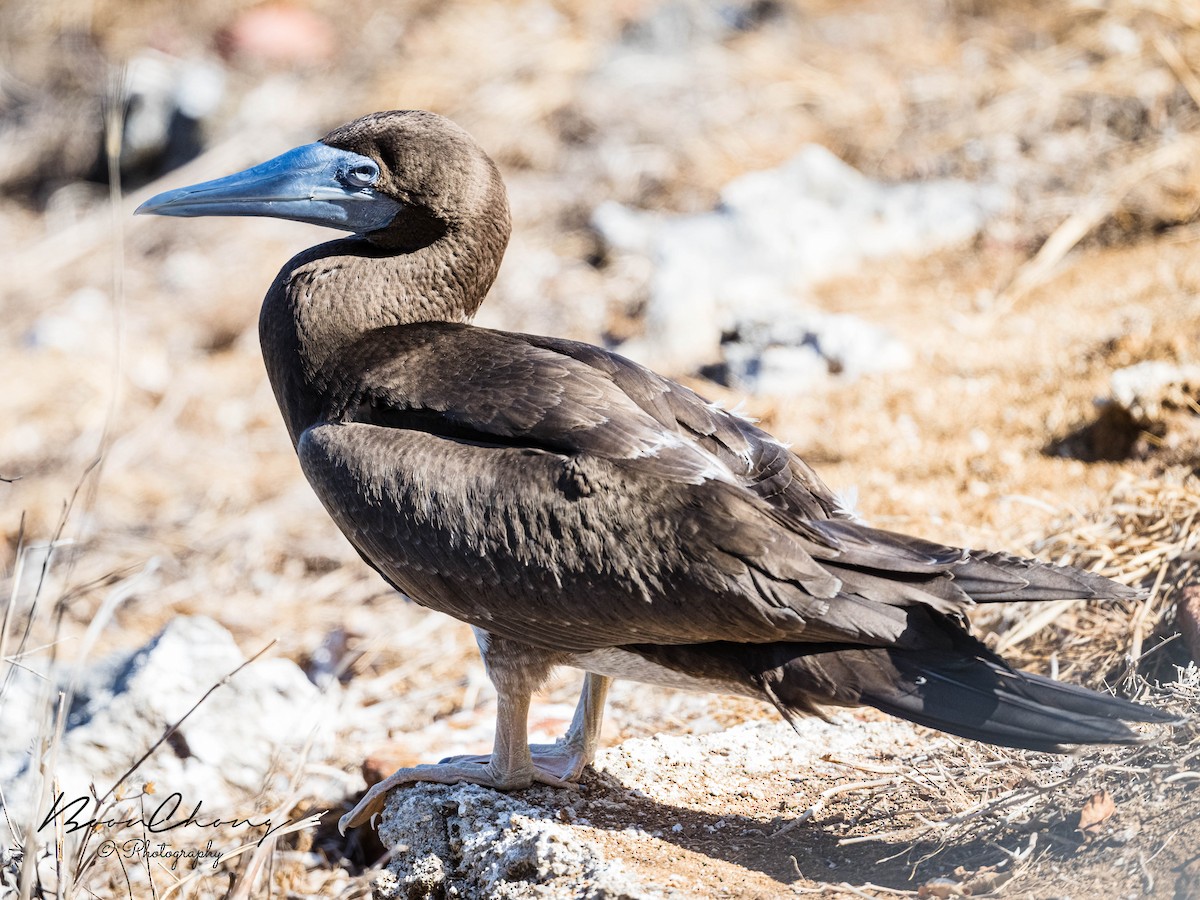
(578, 509)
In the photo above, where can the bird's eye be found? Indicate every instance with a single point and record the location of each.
(362, 175)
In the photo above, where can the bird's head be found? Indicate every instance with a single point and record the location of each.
(401, 178)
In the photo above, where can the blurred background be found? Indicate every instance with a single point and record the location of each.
(946, 248)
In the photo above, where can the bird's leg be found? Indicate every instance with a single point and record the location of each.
(515, 672)
(563, 762)
(509, 767)
(567, 757)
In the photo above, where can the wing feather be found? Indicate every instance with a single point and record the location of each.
(560, 495)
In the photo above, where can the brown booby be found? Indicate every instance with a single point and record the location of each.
(577, 509)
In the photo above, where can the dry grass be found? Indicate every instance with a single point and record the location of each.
(1143, 535)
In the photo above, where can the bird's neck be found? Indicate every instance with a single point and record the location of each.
(328, 297)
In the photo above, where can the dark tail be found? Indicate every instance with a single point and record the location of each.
(959, 687)
(986, 700)
(974, 696)
(997, 577)
(887, 558)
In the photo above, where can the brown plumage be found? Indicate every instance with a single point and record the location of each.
(578, 509)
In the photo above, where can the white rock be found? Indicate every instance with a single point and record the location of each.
(774, 234)
(466, 841)
(221, 755)
(80, 328)
(796, 349)
(1146, 388)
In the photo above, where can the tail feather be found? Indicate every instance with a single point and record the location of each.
(997, 577)
(984, 577)
(961, 688)
(958, 686)
(986, 700)
(1075, 699)
(974, 696)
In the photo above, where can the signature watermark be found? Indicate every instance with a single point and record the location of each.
(141, 848)
(71, 816)
(151, 826)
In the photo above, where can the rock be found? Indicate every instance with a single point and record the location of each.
(1150, 390)
(73, 329)
(788, 353)
(10, 871)
(464, 840)
(170, 101)
(53, 132)
(752, 260)
(679, 25)
(1150, 411)
(222, 755)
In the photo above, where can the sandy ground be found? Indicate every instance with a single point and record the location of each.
(132, 341)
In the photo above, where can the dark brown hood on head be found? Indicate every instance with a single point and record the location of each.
(432, 166)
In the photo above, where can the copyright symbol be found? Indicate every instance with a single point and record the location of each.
(107, 847)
